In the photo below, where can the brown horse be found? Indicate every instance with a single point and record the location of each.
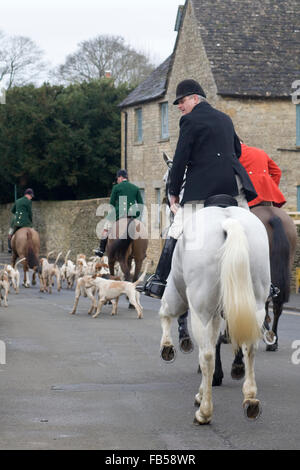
(127, 241)
(25, 243)
(282, 236)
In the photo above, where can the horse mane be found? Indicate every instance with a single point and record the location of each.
(32, 260)
(119, 247)
(279, 260)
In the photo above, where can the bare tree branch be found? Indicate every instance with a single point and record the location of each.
(20, 60)
(96, 56)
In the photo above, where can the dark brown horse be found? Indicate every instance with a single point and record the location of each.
(127, 241)
(25, 243)
(282, 236)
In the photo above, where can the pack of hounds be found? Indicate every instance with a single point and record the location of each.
(91, 278)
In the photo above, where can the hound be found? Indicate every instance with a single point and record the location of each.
(4, 284)
(14, 275)
(83, 288)
(48, 271)
(111, 290)
(82, 268)
(68, 271)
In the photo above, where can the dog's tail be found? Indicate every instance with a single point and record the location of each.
(67, 256)
(57, 258)
(141, 278)
(19, 261)
(50, 253)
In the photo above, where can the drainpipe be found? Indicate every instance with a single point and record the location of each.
(125, 138)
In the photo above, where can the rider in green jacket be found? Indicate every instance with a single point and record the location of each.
(125, 198)
(22, 214)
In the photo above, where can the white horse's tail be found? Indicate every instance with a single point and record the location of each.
(237, 296)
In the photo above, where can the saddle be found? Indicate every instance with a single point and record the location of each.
(220, 200)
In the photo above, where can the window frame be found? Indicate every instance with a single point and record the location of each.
(138, 122)
(164, 121)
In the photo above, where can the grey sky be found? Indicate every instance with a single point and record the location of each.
(57, 26)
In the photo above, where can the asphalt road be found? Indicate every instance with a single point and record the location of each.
(74, 382)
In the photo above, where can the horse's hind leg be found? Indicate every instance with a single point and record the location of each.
(167, 349)
(13, 259)
(26, 282)
(238, 366)
(251, 405)
(277, 311)
(218, 373)
(185, 342)
(33, 282)
(206, 337)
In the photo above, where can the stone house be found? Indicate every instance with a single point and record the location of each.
(245, 54)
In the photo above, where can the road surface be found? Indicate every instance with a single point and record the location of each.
(74, 382)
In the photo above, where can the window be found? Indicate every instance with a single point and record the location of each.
(298, 198)
(298, 125)
(164, 119)
(139, 125)
(142, 191)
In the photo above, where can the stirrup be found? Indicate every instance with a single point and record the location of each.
(98, 253)
(274, 291)
(154, 287)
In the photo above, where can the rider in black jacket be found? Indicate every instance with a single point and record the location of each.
(208, 150)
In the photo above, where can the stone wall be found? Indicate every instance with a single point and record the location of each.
(62, 225)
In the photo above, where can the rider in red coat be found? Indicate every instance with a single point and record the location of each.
(264, 174)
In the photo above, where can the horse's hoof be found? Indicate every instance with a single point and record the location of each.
(186, 345)
(269, 338)
(252, 409)
(200, 420)
(272, 347)
(217, 381)
(168, 353)
(238, 371)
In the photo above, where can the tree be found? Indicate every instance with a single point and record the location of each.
(105, 53)
(62, 141)
(20, 60)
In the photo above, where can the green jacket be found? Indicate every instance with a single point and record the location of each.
(22, 211)
(124, 198)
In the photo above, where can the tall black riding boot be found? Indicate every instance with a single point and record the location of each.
(100, 252)
(155, 286)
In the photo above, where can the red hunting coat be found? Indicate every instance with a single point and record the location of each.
(264, 174)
